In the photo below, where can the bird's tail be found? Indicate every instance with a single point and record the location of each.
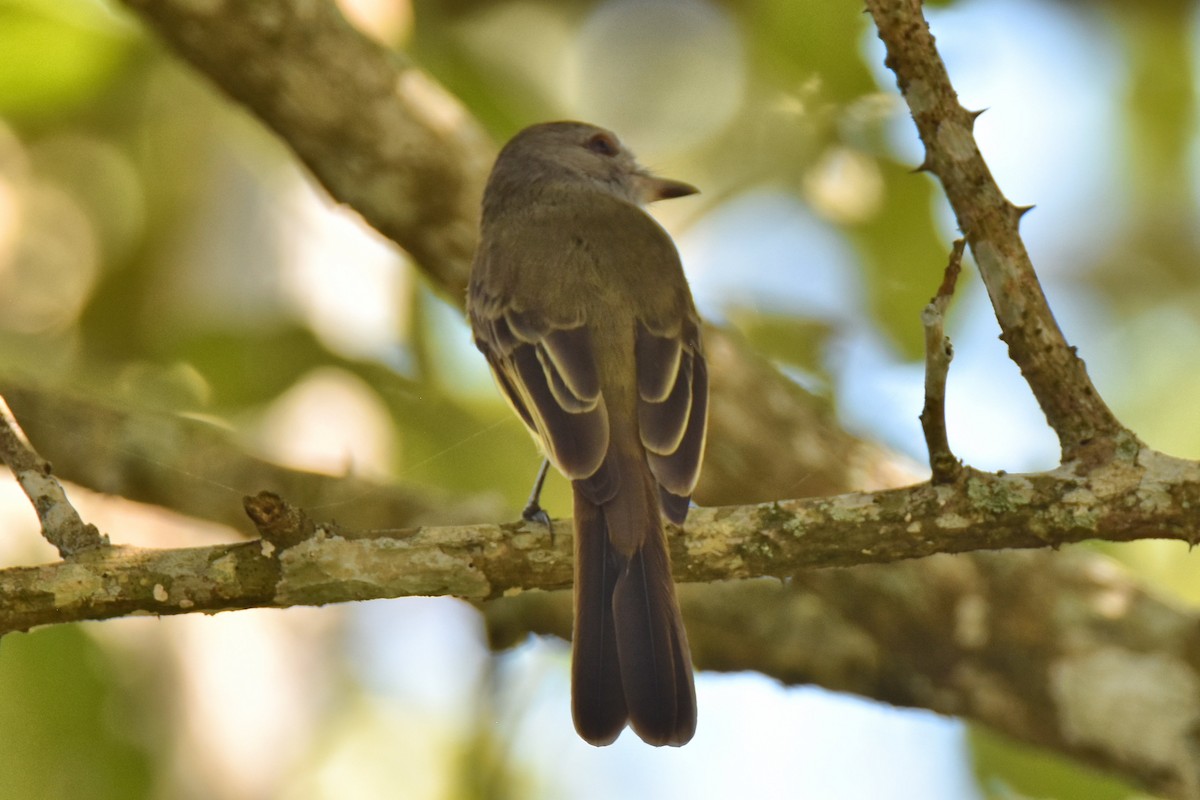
(631, 660)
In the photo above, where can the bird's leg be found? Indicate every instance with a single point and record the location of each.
(533, 509)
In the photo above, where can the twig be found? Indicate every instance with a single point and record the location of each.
(61, 523)
(1087, 430)
(938, 354)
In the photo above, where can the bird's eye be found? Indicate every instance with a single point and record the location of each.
(604, 144)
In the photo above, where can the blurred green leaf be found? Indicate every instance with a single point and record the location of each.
(247, 367)
(798, 40)
(55, 55)
(66, 732)
(464, 448)
(1007, 771)
(903, 256)
(785, 338)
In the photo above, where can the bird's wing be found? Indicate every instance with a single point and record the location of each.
(545, 360)
(546, 367)
(672, 380)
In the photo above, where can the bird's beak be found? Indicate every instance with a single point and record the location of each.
(651, 188)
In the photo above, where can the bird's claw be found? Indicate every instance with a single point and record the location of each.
(535, 513)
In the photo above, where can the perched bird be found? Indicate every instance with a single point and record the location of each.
(578, 301)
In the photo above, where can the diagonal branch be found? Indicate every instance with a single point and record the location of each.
(384, 138)
(377, 132)
(200, 469)
(990, 222)
(61, 523)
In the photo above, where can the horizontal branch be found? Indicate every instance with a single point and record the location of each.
(1038, 646)
(1144, 495)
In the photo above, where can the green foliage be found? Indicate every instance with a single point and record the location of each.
(784, 338)
(902, 255)
(56, 55)
(69, 729)
(245, 368)
(1011, 771)
(796, 41)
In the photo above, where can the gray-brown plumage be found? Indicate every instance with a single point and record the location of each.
(579, 302)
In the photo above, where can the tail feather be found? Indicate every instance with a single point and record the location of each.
(656, 666)
(597, 696)
(631, 660)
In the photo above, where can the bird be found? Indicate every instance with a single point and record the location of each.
(578, 300)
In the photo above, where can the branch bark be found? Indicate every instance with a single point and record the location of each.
(938, 354)
(61, 523)
(1144, 495)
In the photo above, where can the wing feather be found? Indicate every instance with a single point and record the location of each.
(546, 361)
(664, 423)
(679, 471)
(549, 375)
(673, 422)
(571, 351)
(658, 363)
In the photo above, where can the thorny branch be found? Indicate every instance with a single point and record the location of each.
(1086, 428)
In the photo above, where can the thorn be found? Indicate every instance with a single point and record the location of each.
(1023, 210)
(974, 115)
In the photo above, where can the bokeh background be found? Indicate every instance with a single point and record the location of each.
(161, 252)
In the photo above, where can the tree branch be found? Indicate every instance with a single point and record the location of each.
(61, 523)
(199, 469)
(1056, 375)
(414, 164)
(378, 133)
(1145, 495)
(938, 354)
